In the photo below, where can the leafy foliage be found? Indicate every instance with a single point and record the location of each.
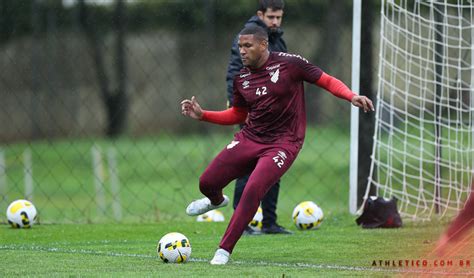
(18, 18)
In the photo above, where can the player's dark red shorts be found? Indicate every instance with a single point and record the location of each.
(266, 163)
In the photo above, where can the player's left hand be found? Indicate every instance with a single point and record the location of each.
(363, 102)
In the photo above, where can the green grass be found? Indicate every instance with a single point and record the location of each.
(338, 248)
(158, 178)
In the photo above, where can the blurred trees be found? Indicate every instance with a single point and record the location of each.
(196, 30)
(15, 16)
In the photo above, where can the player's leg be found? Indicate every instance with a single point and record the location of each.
(463, 221)
(239, 185)
(239, 188)
(272, 164)
(269, 204)
(460, 225)
(234, 161)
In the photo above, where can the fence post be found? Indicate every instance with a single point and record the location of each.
(3, 177)
(98, 169)
(28, 174)
(114, 184)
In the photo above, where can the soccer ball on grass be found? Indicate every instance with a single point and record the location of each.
(174, 248)
(256, 223)
(21, 214)
(211, 216)
(307, 216)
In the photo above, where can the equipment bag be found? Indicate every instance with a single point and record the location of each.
(380, 213)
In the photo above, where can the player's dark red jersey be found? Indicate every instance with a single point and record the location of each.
(274, 97)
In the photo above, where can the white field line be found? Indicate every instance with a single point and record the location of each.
(232, 262)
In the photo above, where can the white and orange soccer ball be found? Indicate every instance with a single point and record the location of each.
(21, 214)
(174, 248)
(307, 216)
(256, 223)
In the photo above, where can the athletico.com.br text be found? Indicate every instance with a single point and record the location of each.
(422, 263)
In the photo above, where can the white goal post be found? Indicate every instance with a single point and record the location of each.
(355, 86)
(423, 151)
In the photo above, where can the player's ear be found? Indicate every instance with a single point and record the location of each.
(264, 44)
(260, 15)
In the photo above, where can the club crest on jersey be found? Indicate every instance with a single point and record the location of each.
(275, 75)
(245, 85)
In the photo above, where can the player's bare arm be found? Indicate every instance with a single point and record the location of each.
(191, 108)
(363, 102)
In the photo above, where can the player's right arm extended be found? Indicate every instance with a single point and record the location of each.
(335, 87)
(231, 116)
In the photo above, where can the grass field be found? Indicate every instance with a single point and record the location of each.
(338, 248)
(158, 177)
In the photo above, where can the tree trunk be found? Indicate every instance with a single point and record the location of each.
(115, 101)
(324, 54)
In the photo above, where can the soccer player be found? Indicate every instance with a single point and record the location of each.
(269, 16)
(269, 97)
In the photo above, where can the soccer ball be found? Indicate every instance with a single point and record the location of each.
(174, 248)
(256, 223)
(307, 216)
(211, 216)
(21, 214)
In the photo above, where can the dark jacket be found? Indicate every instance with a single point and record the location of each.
(275, 43)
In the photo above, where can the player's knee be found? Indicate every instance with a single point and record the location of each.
(206, 183)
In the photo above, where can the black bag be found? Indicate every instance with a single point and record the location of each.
(380, 213)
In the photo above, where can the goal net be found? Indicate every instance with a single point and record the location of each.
(423, 150)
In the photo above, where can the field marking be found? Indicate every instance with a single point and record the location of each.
(232, 262)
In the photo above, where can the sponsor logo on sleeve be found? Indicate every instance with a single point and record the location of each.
(292, 55)
(273, 67)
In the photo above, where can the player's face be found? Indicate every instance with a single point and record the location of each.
(251, 50)
(271, 18)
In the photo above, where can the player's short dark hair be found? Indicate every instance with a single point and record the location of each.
(274, 5)
(257, 31)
